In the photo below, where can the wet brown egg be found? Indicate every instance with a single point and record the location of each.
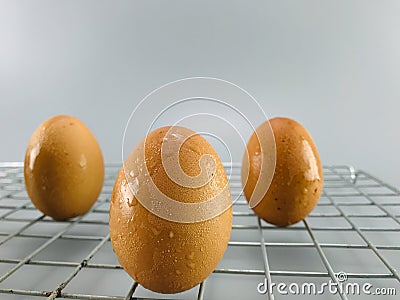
(297, 179)
(166, 232)
(63, 168)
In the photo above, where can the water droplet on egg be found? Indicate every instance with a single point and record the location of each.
(132, 201)
(82, 161)
(171, 234)
(131, 173)
(178, 272)
(155, 231)
(134, 186)
(191, 265)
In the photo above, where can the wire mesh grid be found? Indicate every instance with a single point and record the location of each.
(355, 228)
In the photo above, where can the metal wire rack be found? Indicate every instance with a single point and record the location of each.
(355, 229)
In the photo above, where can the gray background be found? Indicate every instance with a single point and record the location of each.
(332, 65)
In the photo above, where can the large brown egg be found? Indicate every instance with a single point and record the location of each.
(63, 169)
(171, 211)
(297, 177)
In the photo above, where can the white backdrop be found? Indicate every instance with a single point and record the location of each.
(332, 65)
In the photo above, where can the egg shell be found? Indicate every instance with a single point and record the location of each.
(162, 255)
(63, 168)
(297, 179)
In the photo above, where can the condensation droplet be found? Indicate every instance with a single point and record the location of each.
(190, 256)
(171, 234)
(201, 249)
(82, 161)
(131, 173)
(178, 272)
(155, 231)
(305, 191)
(134, 186)
(132, 201)
(191, 265)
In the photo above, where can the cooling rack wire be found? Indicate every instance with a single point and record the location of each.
(355, 228)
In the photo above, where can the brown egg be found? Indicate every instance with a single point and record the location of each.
(63, 169)
(166, 229)
(297, 179)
